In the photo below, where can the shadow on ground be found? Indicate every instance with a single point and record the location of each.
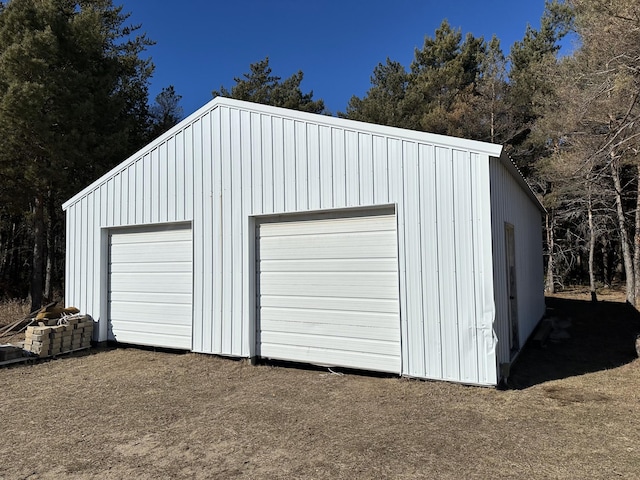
(602, 336)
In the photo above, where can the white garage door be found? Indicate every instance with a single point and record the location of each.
(150, 287)
(328, 292)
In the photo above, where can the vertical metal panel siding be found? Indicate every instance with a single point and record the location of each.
(445, 330)
(510, 204)
(133, 195)
(227, 164)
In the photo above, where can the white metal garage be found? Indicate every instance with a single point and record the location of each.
(150, 286)
(328, 291)
(252, 183)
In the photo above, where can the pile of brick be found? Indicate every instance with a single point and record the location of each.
(71, 333)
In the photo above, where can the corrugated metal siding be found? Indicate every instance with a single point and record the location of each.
(446, 208)
(130, 195)
(509, 203)
(232, 160)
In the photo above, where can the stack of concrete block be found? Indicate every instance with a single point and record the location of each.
(37, 340)
(72, 333)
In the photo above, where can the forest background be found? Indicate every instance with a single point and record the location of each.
(74, 103)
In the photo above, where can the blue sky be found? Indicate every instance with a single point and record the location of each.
(201, 45)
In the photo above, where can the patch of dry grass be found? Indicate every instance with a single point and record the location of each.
(12, 310)
(116, 413)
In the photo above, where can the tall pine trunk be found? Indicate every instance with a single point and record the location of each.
(51, 245)
(624, 234)
(38, 253)
(48, 265)
(592, 247)
(549, 224)
(606, 262)
(636, 239)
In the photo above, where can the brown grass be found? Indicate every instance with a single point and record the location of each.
(572, 411)
(12, 310)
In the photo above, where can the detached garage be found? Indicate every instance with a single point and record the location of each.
(254, 231)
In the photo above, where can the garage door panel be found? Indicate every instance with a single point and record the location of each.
(328, 292)
(327, 226)
(163, 313)
(152, 338)
(148, 237)
(329, 265)
(329, 240)
(328, 317)
(151, 283)
(155, 298)
(347, 291)
(309, 247)
(150, 287)
(151, 252)
(330, 343)
(162, 327)
(160, 267)
(353, 331)
(347, 358)
(286, 279)
(346, 304)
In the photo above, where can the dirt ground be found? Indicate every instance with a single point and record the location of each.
(572, 410)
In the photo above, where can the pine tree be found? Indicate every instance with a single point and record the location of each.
(438, 94)
(445, 68)
(73, 102)
(384, 102)
(166, 111)
(492, 114)
(531, 58)
(260, 86)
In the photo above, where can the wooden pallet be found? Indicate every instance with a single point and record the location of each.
(12, 354)
(28, 356)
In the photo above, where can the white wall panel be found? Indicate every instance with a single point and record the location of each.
(380, 172)
(313, 172)
(200, 212)
(412, 243)
(289, 166)
(266, 153)
(326, 168)
(429, 362)
(463, 200)
(448, 295)
(277, 145)
(233, 161)
(216, 246)
(365, 170)
(242, 324)
(205, 328)
(339, 167)
(352, 168)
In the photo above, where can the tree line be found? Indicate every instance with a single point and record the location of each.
(74, 103)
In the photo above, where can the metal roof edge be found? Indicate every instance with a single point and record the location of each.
(522, 181)
(492, 149)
